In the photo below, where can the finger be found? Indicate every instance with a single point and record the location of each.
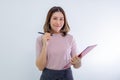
(75, 58)
(72, 62)
(47, 36)
(78, 58)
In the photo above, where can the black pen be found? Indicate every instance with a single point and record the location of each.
(40, 32)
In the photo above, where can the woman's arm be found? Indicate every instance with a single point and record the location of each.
(42, 58)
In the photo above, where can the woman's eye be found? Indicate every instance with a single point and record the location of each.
(55, 18)
(61, 19)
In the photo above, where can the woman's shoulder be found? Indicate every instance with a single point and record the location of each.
(39, 37)
(70, 36)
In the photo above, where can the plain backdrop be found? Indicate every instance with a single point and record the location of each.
(91, 22)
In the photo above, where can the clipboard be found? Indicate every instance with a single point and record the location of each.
(86, 50)
(83, 53)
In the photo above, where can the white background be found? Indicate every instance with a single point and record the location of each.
(91, 22)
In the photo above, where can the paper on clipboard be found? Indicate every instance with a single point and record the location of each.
(83, 53)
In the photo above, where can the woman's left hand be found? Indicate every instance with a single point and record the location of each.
(76, 61)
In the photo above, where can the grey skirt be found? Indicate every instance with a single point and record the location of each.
(49, 74)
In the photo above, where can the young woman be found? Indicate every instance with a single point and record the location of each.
(56, 48)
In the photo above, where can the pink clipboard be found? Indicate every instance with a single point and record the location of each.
(83, 53)
(86, 50)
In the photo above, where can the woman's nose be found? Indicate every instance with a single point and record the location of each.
(58, 22)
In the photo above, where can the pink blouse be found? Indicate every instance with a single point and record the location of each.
(59, 50)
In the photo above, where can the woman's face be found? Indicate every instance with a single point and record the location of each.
(57, 22)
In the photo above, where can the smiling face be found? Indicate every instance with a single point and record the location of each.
(57, 22)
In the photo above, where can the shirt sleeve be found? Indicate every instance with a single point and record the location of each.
(38, 46)
(74, 49)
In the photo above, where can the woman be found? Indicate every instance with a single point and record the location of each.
(56, 48)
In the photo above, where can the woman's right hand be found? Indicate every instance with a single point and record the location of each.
(45, 38)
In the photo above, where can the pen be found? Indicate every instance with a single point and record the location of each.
(40, 32)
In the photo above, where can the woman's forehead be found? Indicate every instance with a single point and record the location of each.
(57, 14)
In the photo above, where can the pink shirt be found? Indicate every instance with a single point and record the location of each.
(59, 50)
